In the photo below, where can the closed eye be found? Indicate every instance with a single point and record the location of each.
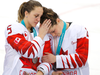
(52, 31)
(36, 16)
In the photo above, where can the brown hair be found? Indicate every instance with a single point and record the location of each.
(49, 14)
(27, 6)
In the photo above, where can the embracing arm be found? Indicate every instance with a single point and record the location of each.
(15, 36)
(26, 48)
(44, 66)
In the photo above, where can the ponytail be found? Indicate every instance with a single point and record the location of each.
(27, 6)
(21, 13)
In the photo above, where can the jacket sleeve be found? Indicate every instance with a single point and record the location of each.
(26, 48)
(15, 38)
(79, 58)
(46, 67)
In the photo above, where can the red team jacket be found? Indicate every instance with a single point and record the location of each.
(21, 46)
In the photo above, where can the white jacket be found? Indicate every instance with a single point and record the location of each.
(73, 56)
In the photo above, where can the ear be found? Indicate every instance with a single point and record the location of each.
(26, 14)
(57, 20)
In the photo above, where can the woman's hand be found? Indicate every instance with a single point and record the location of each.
(25, 73)
(39, 73)
(44, 27)
(50, 58)
(57, 73)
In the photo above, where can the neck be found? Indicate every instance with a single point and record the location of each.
(62, 24)
(67, 25)
(28, 26)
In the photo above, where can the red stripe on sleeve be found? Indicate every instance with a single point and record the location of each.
(78, 60)
(34, 47)
(30, 50)
(50, 66)
(47, 67)
(73, 62)
(68, 63)
(82, 57)
(36, 42)
(25, 46)
(63, 62)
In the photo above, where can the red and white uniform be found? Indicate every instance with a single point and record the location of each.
(73, 56)
(21, 46)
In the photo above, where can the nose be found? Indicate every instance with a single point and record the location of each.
(53, 34)
(38, 19)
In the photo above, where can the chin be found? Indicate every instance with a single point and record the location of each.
(59, 35)
(34, 25)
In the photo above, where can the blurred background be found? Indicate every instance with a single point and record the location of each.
(84, 12)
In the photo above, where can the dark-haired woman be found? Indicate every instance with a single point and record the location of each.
(70, 45)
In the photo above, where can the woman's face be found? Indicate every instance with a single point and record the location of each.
(34, 16)
(56, 30)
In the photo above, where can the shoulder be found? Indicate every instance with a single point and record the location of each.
(14, 29)
(17, 25)
(76, 25)
(78, 29)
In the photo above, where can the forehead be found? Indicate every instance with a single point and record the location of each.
(38, 10)
(52, 28)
